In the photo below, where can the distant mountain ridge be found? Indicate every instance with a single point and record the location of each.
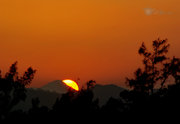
(48, 94)
(46, 98)
(55, 86)
(104, 92)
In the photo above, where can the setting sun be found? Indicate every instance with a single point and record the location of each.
(72, 84)
(95, 60)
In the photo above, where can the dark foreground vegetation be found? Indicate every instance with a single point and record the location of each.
(154, 94)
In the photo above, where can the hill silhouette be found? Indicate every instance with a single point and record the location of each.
(46, 98)
(104, 92)
(48, 94)
(55, 86)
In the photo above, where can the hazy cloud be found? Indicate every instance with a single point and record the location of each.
(153, 11)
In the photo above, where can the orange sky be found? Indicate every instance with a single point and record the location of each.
(89, 39)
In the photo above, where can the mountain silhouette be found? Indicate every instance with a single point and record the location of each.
(55, 86)
(104, 92)
(46, 98)
(48, 94)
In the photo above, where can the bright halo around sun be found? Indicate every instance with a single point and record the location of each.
(72, 84)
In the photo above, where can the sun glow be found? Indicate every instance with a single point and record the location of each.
(72, 84)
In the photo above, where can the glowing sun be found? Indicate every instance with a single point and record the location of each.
(72, 84)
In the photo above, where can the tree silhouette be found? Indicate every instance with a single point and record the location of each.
(155, 67)
(142, 100)
(171, 68)
(90, 84)
(37, 112)
(80, 102)
(12, 88)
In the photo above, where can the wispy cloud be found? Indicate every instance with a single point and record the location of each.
(153, 11)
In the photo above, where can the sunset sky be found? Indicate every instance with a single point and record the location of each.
(86, 39)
